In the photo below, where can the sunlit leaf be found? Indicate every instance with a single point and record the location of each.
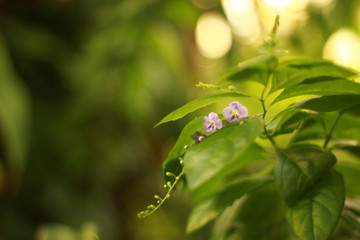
(315, 215)
(222, 153)
(324, 88)
(197, 104)
(172, 163)
(292, 72)
(330, 103)
(298, 169)
(291, 119)
(256, 69)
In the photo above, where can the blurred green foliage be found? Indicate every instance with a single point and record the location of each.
(82, 83)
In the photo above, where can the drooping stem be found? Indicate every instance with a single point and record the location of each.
(329, 135)
(267, 134)
(160, 200)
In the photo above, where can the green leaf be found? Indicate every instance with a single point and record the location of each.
(255, 211)
(324, 88)
(256, 69)
(351, 175)
(209, 209)
(298, 169)
(330, 103)
(225, 222)
(293, 72)
(197, 104)
(290, 119)
(347, 128)
(172, 163)
(220, 155)
(315, 215)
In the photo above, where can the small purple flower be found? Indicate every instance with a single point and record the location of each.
(235, 111)
(212, 122)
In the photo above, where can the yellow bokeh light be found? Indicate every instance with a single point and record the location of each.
(289, 5)
(213, 35)
(292, 14)
(343, 47)
(243, 19)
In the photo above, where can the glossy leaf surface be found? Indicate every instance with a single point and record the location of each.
(256, 69)
(324, 88)
(299, 168)
(222, 153)
(315, 215)
(292, 72)
(330, 103)
(172, 163)
(197, 104)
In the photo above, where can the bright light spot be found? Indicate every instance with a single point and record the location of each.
(292, 14)
(213, 35)
(320, 3)
(289, 5)
(278, 3)
(238, 6)
(343, 47)
(242, 17)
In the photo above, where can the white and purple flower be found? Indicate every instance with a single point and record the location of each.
(235, 111)
(212, 122)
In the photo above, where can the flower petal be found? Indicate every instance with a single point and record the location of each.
(243, 112)
(218, 124)
(213, 116)
(206, 121)
(235, 105)
(227, 112)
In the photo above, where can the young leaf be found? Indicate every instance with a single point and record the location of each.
(197, 104)
(293, 72)
(315, 215)
(324, 88)
(298, 169)
(209, 209)
(256, 69)
(221, 154)
(330, 103)
(172, 163)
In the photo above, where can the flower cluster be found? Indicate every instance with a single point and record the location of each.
(233, 112)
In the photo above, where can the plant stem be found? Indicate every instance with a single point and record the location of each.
(263, 117)
(329, 135)
(152, 208)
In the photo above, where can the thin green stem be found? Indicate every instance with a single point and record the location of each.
(160, 201)
(262, 100)
(329, 135)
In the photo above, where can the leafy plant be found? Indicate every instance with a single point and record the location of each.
(297, 187)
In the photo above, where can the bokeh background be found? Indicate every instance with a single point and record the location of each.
(83, 82)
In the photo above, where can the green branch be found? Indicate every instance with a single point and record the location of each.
(329, 135)
(267, 134)
(160, 200)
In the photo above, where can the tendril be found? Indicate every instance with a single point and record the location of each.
(169, 186)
